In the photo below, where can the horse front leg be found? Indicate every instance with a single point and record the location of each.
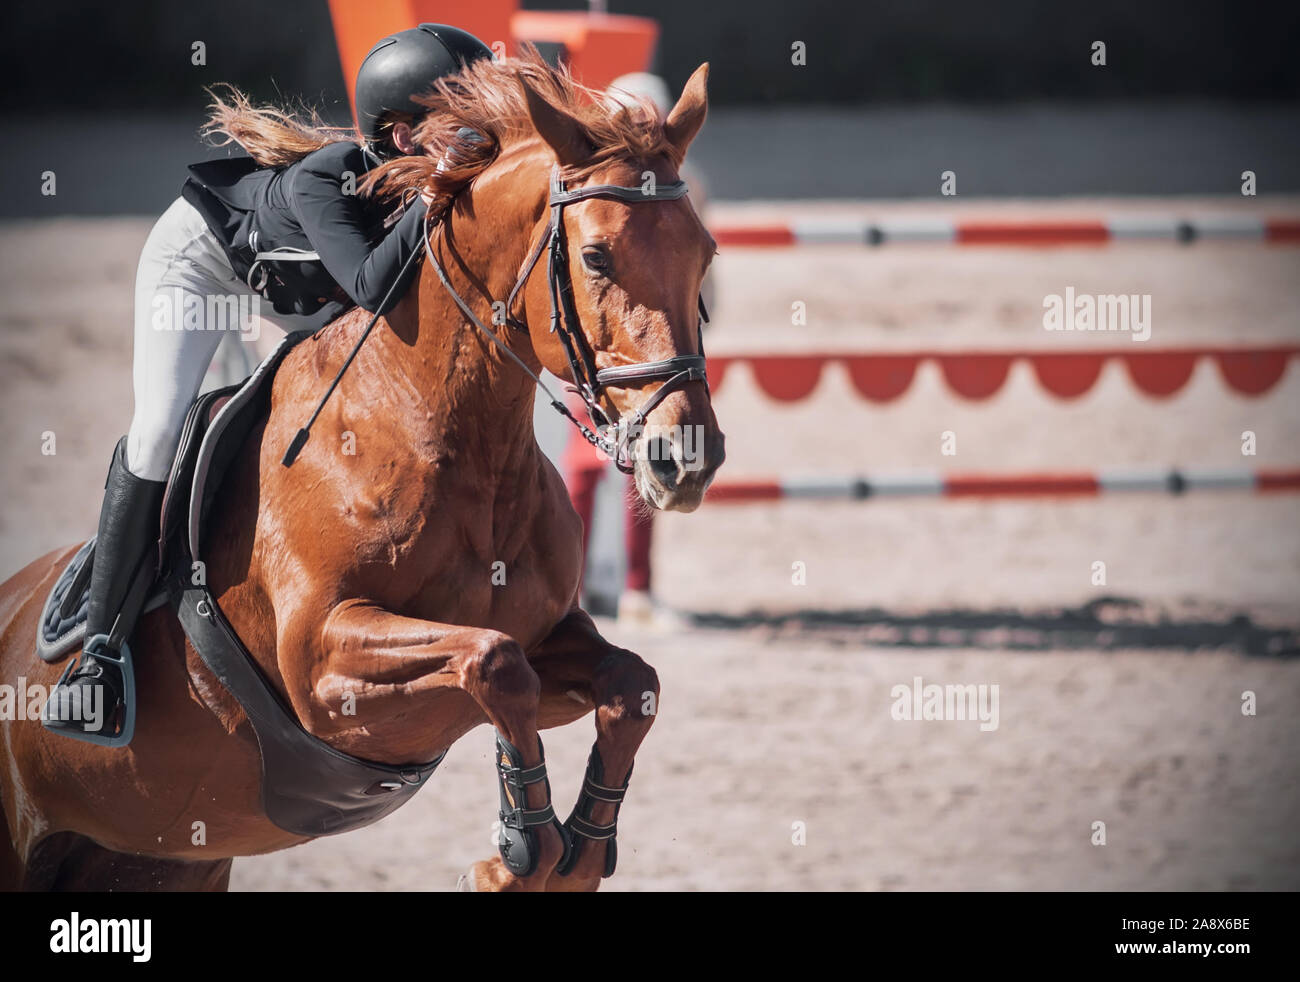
(579, 671)
(404, 681)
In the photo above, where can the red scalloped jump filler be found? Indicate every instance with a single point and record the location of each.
(979, 375)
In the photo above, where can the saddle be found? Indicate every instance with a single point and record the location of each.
(308, 787)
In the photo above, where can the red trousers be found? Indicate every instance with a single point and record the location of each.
(584, 466)
(637, 529)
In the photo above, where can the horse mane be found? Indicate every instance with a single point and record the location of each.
(488, 97)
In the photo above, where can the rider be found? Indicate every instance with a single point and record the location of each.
(294, 196)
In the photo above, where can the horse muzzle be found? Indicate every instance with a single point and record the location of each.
(674, 466)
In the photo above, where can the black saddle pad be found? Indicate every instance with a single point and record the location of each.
(59, 636)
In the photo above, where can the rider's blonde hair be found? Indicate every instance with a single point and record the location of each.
(271, 136)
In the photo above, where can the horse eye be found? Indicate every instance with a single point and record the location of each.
(595, 259)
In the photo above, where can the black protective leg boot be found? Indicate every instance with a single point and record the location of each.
(125, 548)
(519, 823)
(580, 826)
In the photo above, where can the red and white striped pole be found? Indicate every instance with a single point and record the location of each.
(972, 485)
(831, 231)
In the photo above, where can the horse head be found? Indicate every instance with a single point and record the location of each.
(565, 213)
(635, 263)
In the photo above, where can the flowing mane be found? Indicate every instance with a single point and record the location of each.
(488, 97)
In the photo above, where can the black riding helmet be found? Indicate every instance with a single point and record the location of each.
(404, 65)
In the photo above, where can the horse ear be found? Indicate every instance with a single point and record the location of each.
(688, 115)
(562, 132)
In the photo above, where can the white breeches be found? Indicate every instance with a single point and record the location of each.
(187, 300)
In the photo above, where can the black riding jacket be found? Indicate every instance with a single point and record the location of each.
(310, 205)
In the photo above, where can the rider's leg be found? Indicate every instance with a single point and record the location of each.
(181, 317)
(125, 548)
(174, 345)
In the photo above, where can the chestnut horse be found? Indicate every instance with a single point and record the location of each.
(431, 569)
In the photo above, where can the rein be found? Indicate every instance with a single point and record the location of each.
(589, 382)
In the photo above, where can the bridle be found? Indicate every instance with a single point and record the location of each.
(589, 382)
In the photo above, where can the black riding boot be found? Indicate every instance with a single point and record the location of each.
(125, 547)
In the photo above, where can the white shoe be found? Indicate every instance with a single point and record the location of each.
(637, 609)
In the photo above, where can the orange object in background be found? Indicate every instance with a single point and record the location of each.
(598, 47)
(358, 24)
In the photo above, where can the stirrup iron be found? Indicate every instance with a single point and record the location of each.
(98, 648)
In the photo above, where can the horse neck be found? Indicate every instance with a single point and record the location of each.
(465, 398)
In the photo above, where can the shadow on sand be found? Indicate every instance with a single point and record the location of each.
(1108, 623)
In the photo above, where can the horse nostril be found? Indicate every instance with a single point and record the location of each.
(662, 461)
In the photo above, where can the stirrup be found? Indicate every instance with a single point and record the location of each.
(518, 839)
(579, 824)
(97, 648)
